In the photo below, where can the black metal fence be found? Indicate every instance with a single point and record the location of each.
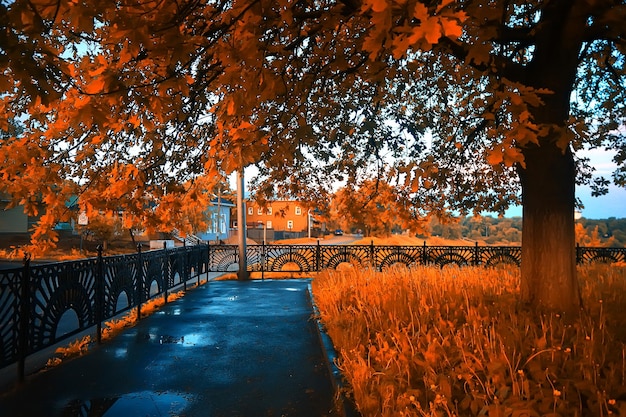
(311, 258)
(41, 305)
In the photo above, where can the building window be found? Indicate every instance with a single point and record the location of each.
(298, 211)
(289, 224)
(269, 211)
(250, 211)
(259, 211)
(213, 222)
(268, 224)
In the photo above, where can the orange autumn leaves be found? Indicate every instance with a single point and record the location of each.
(125, 105)
(392, 26)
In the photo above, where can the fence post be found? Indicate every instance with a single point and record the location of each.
(208, 260)
(476, 254)
(318, 256)
(188, 260)
(99, 295)
(166, 271)
(578, 254)
(372, 257)
(22, 347)
(208, 263)
(183, 273)
(185, 263)
(263, 258)
(424, 255)
(139, 281)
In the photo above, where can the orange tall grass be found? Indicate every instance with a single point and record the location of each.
(455, 342)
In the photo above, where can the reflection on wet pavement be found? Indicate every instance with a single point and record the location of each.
(229, 349)
(144, 404)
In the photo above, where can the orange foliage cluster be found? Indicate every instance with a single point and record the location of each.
(456, 342)
(374, 205)
(136, 107)
(75, 348)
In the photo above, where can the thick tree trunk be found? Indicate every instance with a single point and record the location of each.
(548, 280)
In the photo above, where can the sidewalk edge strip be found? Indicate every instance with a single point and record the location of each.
(346, 405)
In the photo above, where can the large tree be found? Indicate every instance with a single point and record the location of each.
(541, 80)
(461, 103)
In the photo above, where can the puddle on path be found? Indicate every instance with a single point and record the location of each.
(190, 339)
(144, 403)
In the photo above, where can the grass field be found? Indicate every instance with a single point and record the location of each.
(399, 240)
(404, 240)
(455, 342)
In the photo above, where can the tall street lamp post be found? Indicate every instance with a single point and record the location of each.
(242, 273)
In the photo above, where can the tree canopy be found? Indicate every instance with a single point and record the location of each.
(123, 103)
(374, 207)
(460, 104)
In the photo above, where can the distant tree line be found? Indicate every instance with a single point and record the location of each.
(609, 232)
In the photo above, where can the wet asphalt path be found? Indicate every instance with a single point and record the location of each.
(228, 348)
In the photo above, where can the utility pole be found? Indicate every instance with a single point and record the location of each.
(242, 274)
(219, 213)
(308, 222)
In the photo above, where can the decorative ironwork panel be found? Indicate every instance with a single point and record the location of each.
(587, 255)
(120, 277)
(175, 267)
(333, 256)
(203, 261)
(290, 258)
(223, 258)
(387, 256)
(445, 255)
(9, 314)
(197, 259)
(55, 289)
(152, 264)
(499, 255)
(255, 255)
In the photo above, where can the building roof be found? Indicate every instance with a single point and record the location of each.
(222, 202)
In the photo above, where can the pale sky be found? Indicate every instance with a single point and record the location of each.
(612, 204)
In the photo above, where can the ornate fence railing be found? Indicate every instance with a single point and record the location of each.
(41, 305)
(311, 258)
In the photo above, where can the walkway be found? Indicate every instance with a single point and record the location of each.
(227, 349)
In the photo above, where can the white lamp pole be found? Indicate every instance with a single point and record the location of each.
(242, 274)
(308, 221)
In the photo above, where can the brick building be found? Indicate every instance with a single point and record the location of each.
(287, 216)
